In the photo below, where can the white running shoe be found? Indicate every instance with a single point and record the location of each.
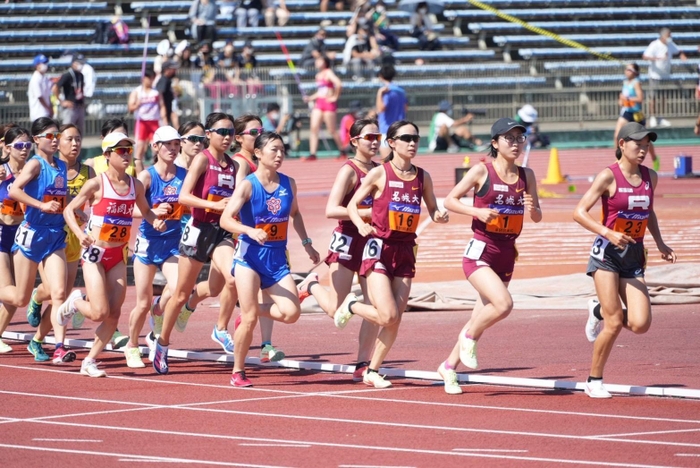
(652, 122)
(133, 358)
(373, 379)
(664, 123)
(151, 340)
(467, 352)
(596, 389)
(343, 315)
(594, 324)
(89, 368)
(67, 310)
(5, 348)
(450, 377)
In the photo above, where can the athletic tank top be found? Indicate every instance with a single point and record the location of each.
(215, 184)
(628, 91)
(75, 184)
(49, 185)
(324, 88)
(253, 167)
(159, 192)
(113, 214)
(345, 225)
(268, 211)
(10, 207)
(100, 166)
(149, 104)
(396, 212)
(508, 200)
(628, 209)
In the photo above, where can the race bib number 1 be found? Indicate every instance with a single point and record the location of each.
(598, 249)
(474, 249)
(11, 207)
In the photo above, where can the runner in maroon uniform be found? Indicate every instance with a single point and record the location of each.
(209, 184)
(618, 257)
(345, 250)
(388, 259)
(503, 193)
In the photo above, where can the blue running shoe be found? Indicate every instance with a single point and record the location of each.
(37, 351)
(160, 359)
(34, 311)
(223, 339)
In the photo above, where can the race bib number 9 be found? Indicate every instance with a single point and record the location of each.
(634, 224)
(275, 231)
(11, 207)
(373, 249)
(115, 229)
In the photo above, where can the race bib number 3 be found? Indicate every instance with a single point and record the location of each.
(93, 254)
(275, 231)
(24, 236)
(598, 248)
(373, 249)
(403, 222)
(115, 229)
(340, 244)
(11, 207)
(141, 246)
(190, 235)
(634, 224)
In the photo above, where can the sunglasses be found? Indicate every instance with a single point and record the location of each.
(224, 132)
(408, 138)
(253, 131)
(50, 136)
(21, 145)
(370, 137)
(195, 138)
(123, 150)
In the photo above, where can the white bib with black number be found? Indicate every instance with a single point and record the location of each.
(141, 246)
(598, 249)
(93, 254)
(24, 236)
(474, 249)
(340, 244)
(373, 249)
(190, 235)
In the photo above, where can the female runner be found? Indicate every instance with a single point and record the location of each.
(325, 106)
(345, 250)
(112, 196)
(388, 259)
(40, 238)
(265, 201)
(99, 163)
(18, 145)
(618, 258)
(209, 184)
(153, 249)
(503, 194)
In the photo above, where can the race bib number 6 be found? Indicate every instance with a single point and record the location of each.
(373, 249)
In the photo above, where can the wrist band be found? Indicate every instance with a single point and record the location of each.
(306, 242)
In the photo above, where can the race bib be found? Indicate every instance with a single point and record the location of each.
(24, 236)
(340, 244)
(115, 229)
(216, 194)
(275, 231)
(93, 254)
(141, 246)
(598, 249)
(373, 249)
(474, 249)
(11, 207)
(632, 223)
(174, 213)
(190, 235)
(509, 220)
(61, 199)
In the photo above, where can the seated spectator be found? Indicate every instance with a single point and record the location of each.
(183, 55)
(339, 4)
(273, 121)
(227, 58)
(365, 52)
(316, 48)
(202, 15)
(204, 58)
(527, 116)
(354, 113)
(278, 11)
(248, 64)
(422, 28)
(118, 32)
(248, 13)
(446, 133)
(385, 38)
(223, 80)
(361, 17)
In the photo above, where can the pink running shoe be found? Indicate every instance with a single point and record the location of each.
(238, 379)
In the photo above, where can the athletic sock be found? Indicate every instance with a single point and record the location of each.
(596, 312)
(591, 379)
(350, 307)
(467, 335)
(311, 285)
(361, 364)
(448, 366)
(266, 343)
(370, 370)
(59, 345)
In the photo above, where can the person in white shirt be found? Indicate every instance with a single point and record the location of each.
(446, 132)
(90, 80)
(149, 111)
(39, 91)
(659, 54)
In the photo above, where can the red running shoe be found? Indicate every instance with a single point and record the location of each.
(238, 379)
(62, 355)
(360, 368)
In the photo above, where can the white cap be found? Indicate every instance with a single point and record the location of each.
(163, 47)
(181, 47)
(527, 113)
(166, 133)
(113, 139)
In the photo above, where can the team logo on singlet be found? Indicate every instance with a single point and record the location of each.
(59, 182)
(274, 205)
(170, 190)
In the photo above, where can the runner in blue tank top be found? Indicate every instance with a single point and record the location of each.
(265, 201)
(42, 187)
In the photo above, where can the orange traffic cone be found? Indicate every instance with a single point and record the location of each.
(553, 170)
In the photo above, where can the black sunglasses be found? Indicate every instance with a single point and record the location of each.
(224, 132)
(195, 138)
(408, 138)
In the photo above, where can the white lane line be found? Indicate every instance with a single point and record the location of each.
(688, 454)
(67, 440)
(374, 466)
(131, 460)
(627, 434)
(146, 458)
(489, 450)
(275, 445)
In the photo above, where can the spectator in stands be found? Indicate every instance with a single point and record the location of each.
(339, 4)
(118, 31)
(39, 91)
(446, 132)
(164, 85)
(422, 28)
(248, 66)
(659, 53)
(354, 113)
(248, 13)
(273, 121)
(90, 80)
(365, 52)
(205, 56)
(278, 11)
(183, 55)
(391, 103)
(202, 15)
(71, 85)
(165, 52)
(385, 38)
(149, 111)
(315, 49)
